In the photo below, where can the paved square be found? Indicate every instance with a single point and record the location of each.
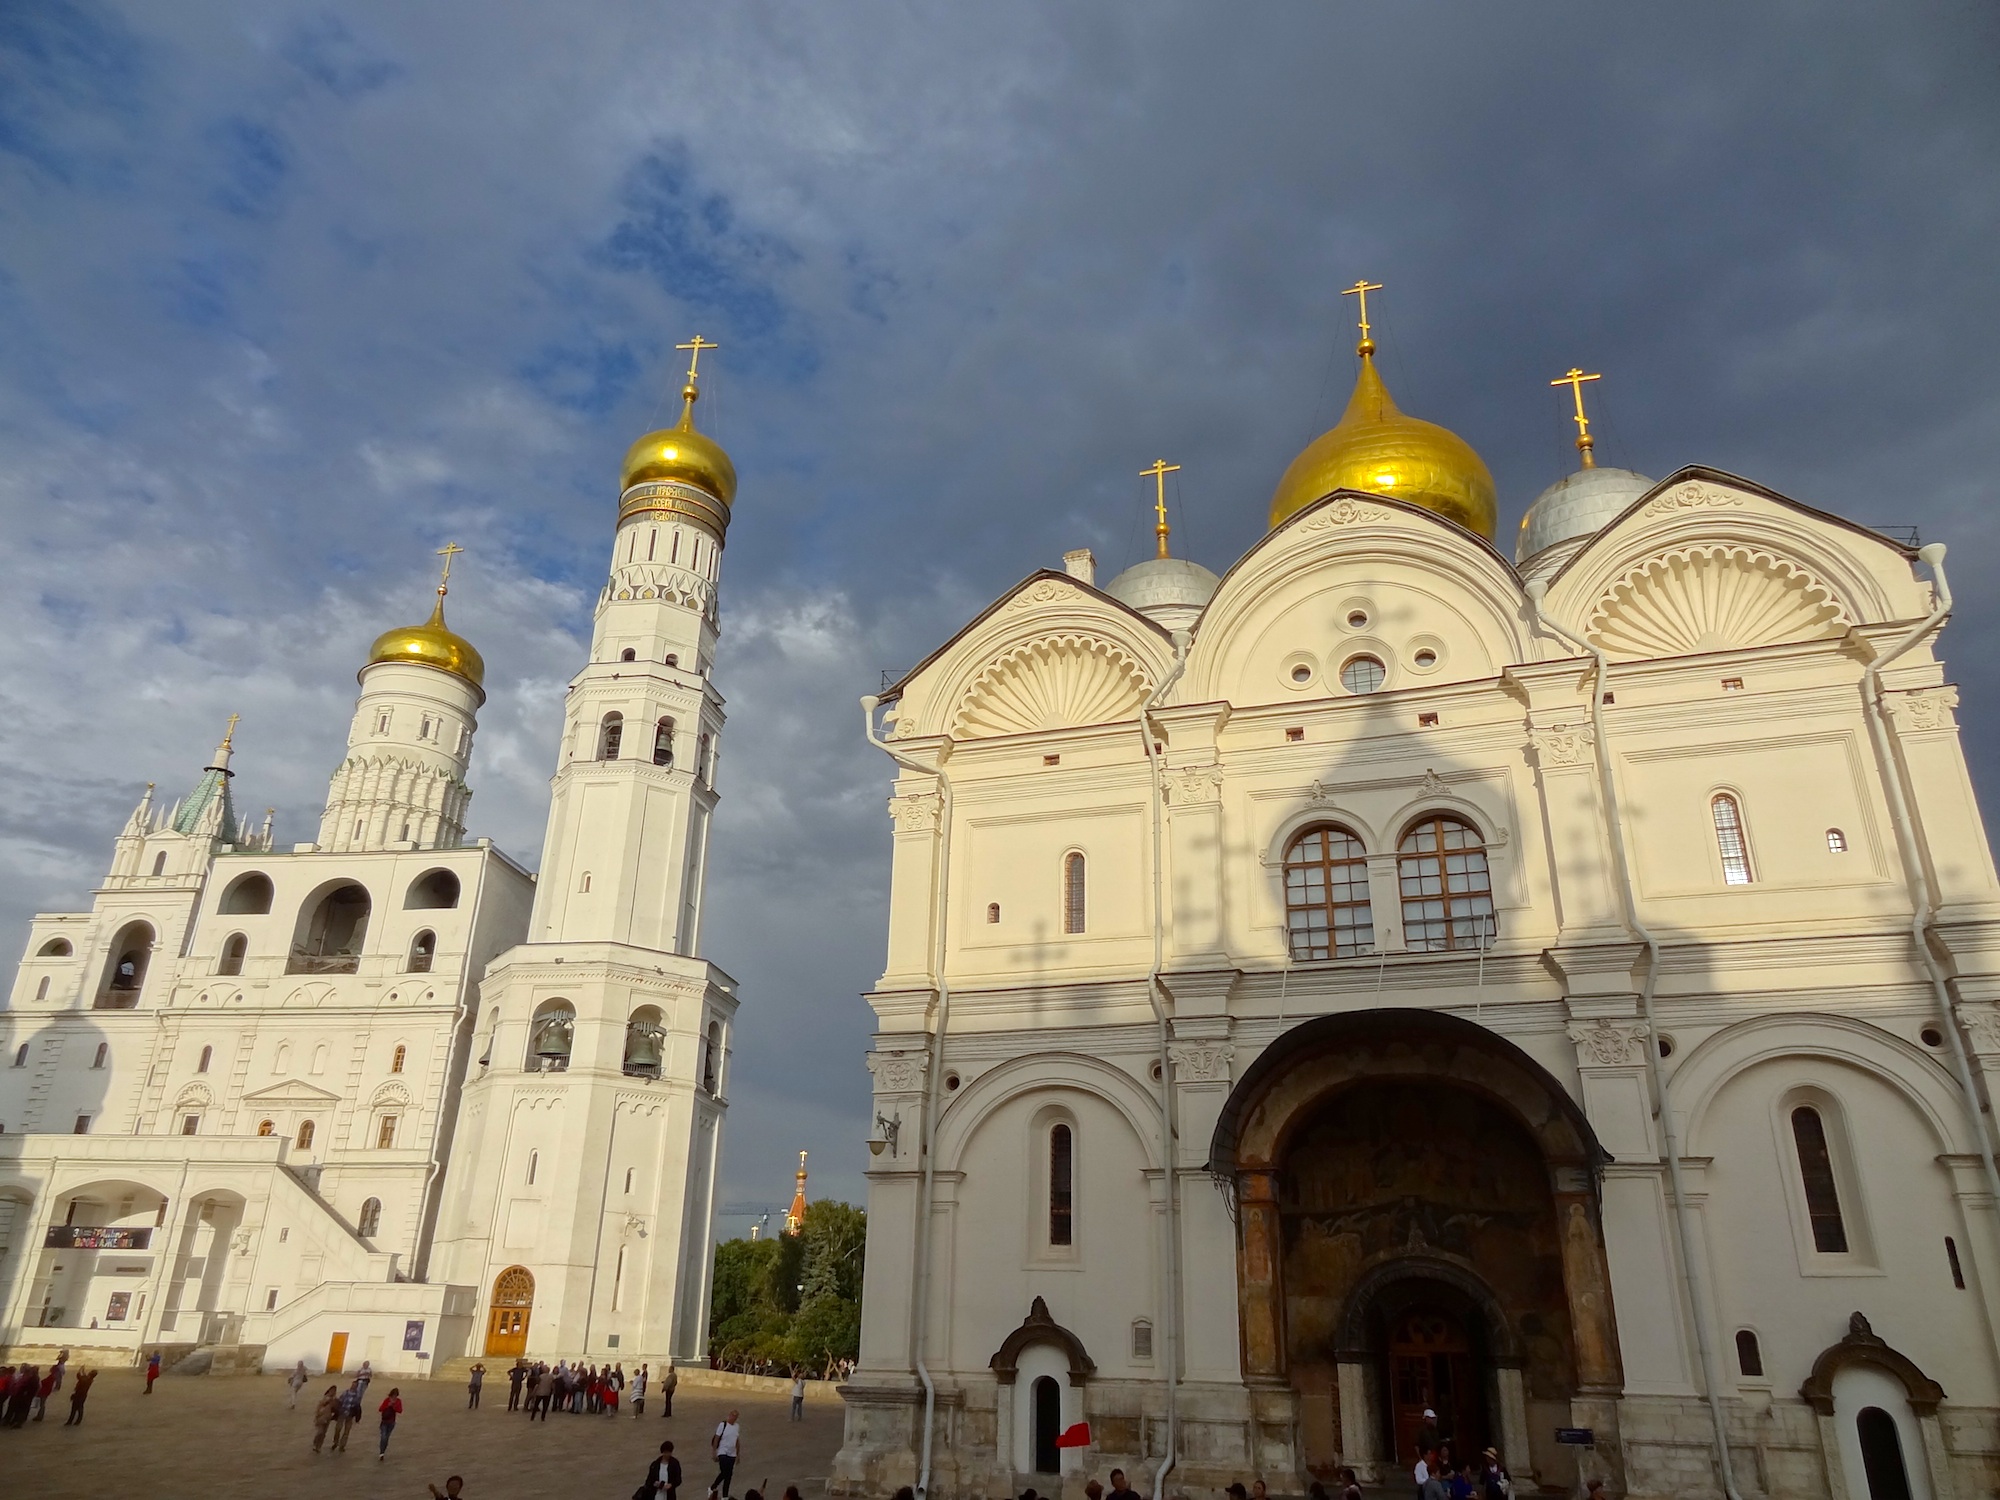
(214, 1437)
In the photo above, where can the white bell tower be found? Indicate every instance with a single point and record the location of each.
(584, 1176)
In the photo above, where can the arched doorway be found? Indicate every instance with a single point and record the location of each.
(1882, 1455)
(1884, 1416)
(507, 1322)
(1432, 1383)
(1048, 1425)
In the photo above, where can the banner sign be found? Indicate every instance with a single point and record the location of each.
(96, 1237)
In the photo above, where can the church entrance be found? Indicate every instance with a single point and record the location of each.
(507, 1323)
(1435, 1388)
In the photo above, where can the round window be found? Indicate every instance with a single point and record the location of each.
(1427, 658)
(1362, 674)
(1358, 619)
(1302, 673)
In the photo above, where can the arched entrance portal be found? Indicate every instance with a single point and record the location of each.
(1419, 1232)
(507, 1323)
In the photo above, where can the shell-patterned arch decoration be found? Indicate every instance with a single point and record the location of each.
(1057, 682)
(1716, 597)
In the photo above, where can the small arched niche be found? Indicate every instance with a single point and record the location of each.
(436, 891)
(331, 932)
(248, 895)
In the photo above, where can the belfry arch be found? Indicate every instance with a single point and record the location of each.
(1418, 1227)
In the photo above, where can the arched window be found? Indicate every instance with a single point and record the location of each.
(131, 951)
(160, 863)
(673, 660)
(234, 947)
(207, 1057)
(609, 734)
(331, 933)
(1062, 1180)
(423, 948)
(1749, 1358)
(21, 1055)
(1446, 888)
(103, 1055)
(435, 891)
(370, 1222)
(55, 948)
(993, 911)
(534, 1162)
(319, 1058)
(1729, 841)
(663, 743)
(628, 654)
(1073, 891)
(266, 1127)
(1326, 895)
(1836, 841)
(551, 1032)
(398, 1058)
(42, 989)
(644, 1039)
(1882, 1455)
(701, 766)
(1829, 1230)
(305, 1135)
(628, 1178)
(711, 1048)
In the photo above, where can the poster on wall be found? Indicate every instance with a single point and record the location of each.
(413, 1334)
(121, 1306)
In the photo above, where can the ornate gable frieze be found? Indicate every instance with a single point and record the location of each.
(1713, 597)
(1064, 681)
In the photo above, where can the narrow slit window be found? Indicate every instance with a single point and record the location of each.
(1749, 1358)
(993, 911)
(1073, 892)
(1829, 1230)
(1951, 1258)
(1062, 1174)
(1729, 841)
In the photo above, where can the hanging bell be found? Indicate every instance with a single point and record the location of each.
(553, 1037)
(642, 1046)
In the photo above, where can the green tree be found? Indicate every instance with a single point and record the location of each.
(793, 1299)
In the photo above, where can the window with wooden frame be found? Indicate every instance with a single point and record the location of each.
(1446, 887)
(1073, 892)
(1326, 895)
(1730, 843)
(385, 1134)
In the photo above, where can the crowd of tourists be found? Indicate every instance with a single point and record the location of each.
(26, 1390)
(588, 1390)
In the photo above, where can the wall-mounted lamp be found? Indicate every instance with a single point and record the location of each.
(884, 1134)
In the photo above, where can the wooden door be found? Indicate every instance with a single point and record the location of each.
(507, 1322)
(1430, 1367)
(336, 1354)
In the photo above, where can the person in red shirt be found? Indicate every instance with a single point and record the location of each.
(390, 1409)
(152, 1371)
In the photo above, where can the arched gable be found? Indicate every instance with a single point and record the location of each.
(1705, 561)
(1422, 585)
(1821, 1036)
(1863, 1346)
(1045, 1072)
(1052, 653)
(1040, 1327)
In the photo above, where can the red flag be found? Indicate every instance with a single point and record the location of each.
(1076, 1437)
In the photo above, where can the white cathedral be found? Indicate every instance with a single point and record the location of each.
(1557, 993)
(385, 1095)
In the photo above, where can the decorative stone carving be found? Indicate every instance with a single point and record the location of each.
(1344, 512)
(1692, 496)
(1982, 1027)
(1201, 1062)
(1043, 592)
(1563, 744)
(898, 1072)
(1606, 1043)
(1924, 708)
(1058, 682)
(1433, 784)
(390, 1094)
(1191, 785)
(1319, 794)
(1715, 597)
(915, 812)
(904, 726)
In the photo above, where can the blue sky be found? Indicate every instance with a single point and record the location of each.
(292, 294)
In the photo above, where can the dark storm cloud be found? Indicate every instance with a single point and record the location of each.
(287, 299)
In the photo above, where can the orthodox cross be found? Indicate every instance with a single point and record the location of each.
(1158, 473)
(1584, 441)
(1361, 289)
(448, 551)
(694, 358)
(230, 733)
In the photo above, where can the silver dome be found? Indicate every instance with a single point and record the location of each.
(1578, 506)
(1168, 590)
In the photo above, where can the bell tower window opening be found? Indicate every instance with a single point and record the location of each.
(1074, 891)
(663, 743)
(1829, 1228)
(551, 1034)
(103, 1055)
(1446, 887)
(160, 863)
(21, 1055)
(702, 767)
(1327, 914)
(233, 951)
(1729, 840)
(382, 722)
(1062, 1173)
(207, 1057)
(423, 948)
(711, 1057)
(628, 654)
(42, 989)
(610, 734)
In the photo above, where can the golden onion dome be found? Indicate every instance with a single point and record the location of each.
(431, 644)
(1376, 449)
(683, 454)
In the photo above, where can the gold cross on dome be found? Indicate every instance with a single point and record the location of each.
(1584, 441)
(1361, 289)
(448, 551)
(1158, 474)
(694, 358)
(230, 733)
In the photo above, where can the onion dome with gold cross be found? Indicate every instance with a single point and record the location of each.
(679, 455)
(1579, 505)
(433, 643)
(1378, 450)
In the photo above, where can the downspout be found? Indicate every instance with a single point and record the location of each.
(940, 888)
(1155, 987)
(1711, 1374)
(1908, 837)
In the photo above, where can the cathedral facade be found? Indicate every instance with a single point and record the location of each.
(385, 1095)
(1556, 994)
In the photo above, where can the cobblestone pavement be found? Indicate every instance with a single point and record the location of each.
(214, 1437)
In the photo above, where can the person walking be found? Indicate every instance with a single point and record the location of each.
(639, 1393)
(663, 1476)
(152, 1371)
(667, 1383)
(80, 1393)
(323, 1415)
(472, 1384)
(726, 1444)
(798, 1395)
(366, 1375)
(390, 1409)
(296, 1380)
(514, 1379)
(346, 1415)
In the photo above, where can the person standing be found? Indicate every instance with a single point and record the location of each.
(152, 1371)
(390, 1409)
(725, 1444)
(639, 1393)
(663, 1475)
(323, 1415)
(798, 1395)
(1121, 1488)
(80, 1393)
(43, 1391)
(472, 1384)
(297, 1381)
(61, 1368)
(514, 1378)
(365, 1376)
(667, 1384)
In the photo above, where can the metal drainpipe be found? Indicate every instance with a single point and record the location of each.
(1711, 1373)
(927, 1115)
(1170, 1303)
(1908, 839)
